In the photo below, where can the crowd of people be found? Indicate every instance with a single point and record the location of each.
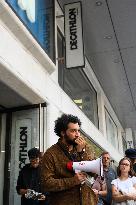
(47, 181)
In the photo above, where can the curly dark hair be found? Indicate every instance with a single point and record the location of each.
(120, 162)
(33, 153)
(61, 124)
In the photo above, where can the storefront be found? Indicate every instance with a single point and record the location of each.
(34, 74)
(21, 129)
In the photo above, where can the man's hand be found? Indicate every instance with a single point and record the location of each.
(81, 143)
(23, 191)
(41, 197)
(95, 191)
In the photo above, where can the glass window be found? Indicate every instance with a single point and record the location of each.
(124, 144)
(95, 149)
(76, 84)
(61, 57)
(38, 17)
(24, 129)
(111, 129)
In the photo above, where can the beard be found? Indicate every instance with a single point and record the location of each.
(69, 141)
(35, 165)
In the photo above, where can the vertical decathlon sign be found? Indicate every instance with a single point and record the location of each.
(74, 35)
(23, 141)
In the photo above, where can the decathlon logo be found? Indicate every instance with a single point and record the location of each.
(29, 7)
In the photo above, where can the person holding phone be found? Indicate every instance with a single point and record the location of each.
(29, 181)
(66, 187)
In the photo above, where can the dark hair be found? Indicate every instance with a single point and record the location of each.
(118, 168)
(131, 153)
(33, 153)
(61, 124)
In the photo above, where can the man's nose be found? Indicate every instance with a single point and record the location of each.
(77, 133)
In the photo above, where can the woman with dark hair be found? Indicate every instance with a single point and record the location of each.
(124, 187)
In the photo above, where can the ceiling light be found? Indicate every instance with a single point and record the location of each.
(98, 3)
(116, 60)
(108, 37)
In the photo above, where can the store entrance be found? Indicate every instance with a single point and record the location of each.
(21, 129)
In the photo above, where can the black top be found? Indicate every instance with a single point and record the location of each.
(29, 178)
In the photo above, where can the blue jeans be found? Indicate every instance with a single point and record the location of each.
(100, 202)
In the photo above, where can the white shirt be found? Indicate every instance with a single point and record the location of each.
(125, 186)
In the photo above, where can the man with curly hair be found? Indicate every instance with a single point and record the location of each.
(66, 187)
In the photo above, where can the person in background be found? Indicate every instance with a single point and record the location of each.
(131, 154)
(99, 187)
(124, 187)
(29, 179)
(105, 195)
(66, 187)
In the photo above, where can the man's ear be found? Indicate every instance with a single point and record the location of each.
(62, 133)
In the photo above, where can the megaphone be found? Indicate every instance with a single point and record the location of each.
(94, 166)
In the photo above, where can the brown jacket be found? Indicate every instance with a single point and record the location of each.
(60, 182)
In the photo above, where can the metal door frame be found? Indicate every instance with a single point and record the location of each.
(8, 112)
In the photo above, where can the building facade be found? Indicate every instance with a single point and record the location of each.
(36, 88)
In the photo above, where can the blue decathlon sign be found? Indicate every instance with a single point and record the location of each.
(38, 17)
(29, 7)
